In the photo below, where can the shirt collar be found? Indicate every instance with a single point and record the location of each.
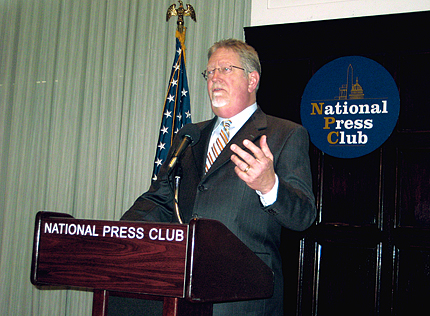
(238, 120)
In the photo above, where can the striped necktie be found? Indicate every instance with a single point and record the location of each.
(219, 144)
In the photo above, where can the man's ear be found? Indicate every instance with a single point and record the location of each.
(254, 78)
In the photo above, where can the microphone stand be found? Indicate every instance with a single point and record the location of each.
(190, 135)
(176, 192)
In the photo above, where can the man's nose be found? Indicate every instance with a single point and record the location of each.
(216, 75)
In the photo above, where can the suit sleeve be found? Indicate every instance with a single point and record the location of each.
(295, 204)
(157, 204)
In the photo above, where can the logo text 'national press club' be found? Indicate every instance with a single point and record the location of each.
(350, 107)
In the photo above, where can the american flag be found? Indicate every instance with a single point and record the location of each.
(176, 112)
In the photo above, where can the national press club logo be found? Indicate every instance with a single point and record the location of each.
(350, 107)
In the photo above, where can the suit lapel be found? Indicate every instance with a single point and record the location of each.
(200, 149)
(252, 130)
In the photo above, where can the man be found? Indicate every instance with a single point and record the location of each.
(260, 181)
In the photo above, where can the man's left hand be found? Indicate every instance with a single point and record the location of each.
(257, 169)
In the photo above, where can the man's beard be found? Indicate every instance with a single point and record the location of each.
(218, 102)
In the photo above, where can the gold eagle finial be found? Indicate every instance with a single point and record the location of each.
(180, 13)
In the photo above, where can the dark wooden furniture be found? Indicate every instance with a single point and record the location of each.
(189, 266)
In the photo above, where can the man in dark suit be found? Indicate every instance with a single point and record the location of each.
(260, 182)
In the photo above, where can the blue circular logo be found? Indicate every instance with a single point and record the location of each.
(350, 107)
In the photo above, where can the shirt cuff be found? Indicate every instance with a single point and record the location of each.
(270, 197)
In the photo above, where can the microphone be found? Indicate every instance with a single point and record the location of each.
(190, 135)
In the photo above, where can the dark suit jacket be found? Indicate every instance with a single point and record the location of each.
(221, 195)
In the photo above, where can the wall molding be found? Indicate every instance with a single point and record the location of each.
(268, 12)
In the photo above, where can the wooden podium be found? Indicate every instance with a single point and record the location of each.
(190, 266)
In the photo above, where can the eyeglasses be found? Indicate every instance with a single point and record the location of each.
(225, 70)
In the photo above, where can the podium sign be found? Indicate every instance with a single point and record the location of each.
(133, 257)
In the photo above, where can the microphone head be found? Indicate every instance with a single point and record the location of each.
(191, 131)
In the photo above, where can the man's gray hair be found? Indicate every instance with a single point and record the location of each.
(247, 54)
